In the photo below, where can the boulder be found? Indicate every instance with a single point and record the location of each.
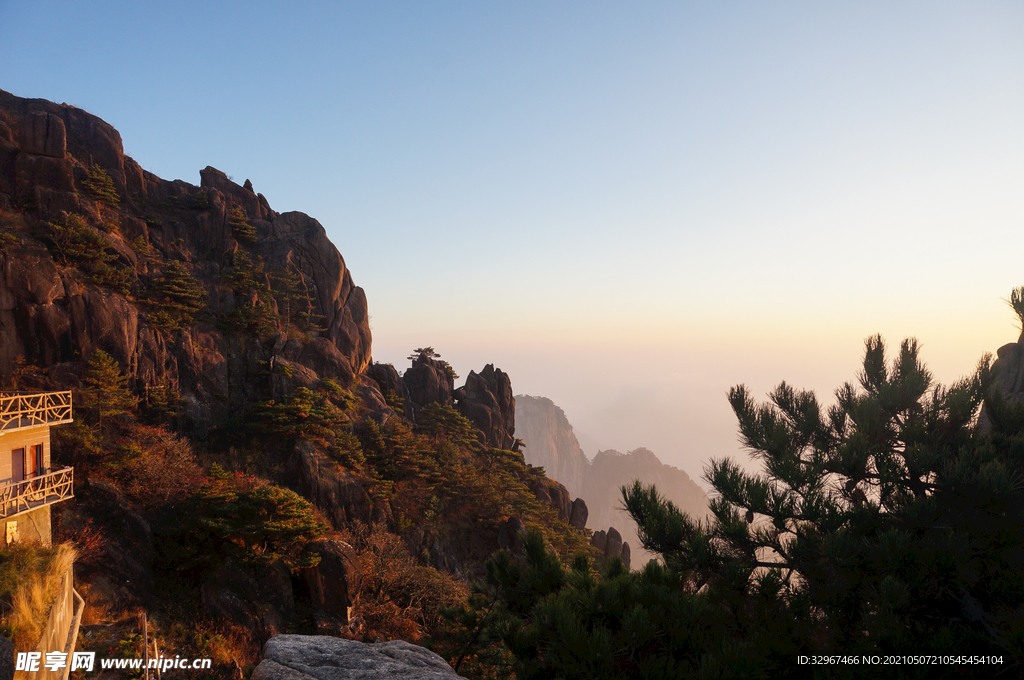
(428, 381)
(334, 582)
(624, 555)
(287, 376)
(276, 597)
(318, 657)
(599, 540)
(614, 546)
(550, 492)
(578, 514)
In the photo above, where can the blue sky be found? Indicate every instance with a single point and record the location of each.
(629, 208)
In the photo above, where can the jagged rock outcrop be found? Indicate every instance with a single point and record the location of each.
(610, 544)
(550, 441)
(389, 382)
(330, 487)
(578, 514)
(428, 381)
(487, 401)
(1009, 377)
(317, 657)
(550, 492)
(54, 316)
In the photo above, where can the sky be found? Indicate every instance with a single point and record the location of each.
(628, 207)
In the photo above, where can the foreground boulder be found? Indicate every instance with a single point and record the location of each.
(318, 657)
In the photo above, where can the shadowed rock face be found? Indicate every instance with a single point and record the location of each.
(318, 657)
(428, 381)
(53, 316)
(486, 400)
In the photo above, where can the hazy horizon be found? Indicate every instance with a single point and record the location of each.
(629, 209)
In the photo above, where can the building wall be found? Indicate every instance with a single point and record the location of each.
(22, 439)
(33, 525)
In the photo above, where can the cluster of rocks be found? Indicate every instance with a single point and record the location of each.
(485, 400)
(610, 544)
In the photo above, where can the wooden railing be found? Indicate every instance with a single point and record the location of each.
(19, 410)
(45, 489)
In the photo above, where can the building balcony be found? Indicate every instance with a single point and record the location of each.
(53, 486)
(24, 410)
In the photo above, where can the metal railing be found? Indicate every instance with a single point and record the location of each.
(34, 492)
(20, 410)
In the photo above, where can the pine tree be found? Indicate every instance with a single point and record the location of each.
(99, 184)
(240, 227)
(177, 297)
(104, 386)
(887, 521)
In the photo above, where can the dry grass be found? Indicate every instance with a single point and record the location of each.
(32, 586)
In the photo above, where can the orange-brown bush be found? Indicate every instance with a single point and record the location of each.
(154, 465)
(400, 598)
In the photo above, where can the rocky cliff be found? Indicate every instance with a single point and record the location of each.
(88, 274)
(240, 332)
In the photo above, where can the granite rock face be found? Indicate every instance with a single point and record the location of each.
(487, 401)
(54, 315)
(317, 657)
(1009, 377)
(428, 381)
(334, 582)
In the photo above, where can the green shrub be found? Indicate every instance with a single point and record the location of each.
(101, 186)
(73, 242)
(248, 519)
(175, 298)
(201, 201)
(240, 227)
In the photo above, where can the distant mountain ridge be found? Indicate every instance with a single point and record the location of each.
(551, 443)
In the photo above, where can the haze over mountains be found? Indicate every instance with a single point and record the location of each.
(551, 443)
